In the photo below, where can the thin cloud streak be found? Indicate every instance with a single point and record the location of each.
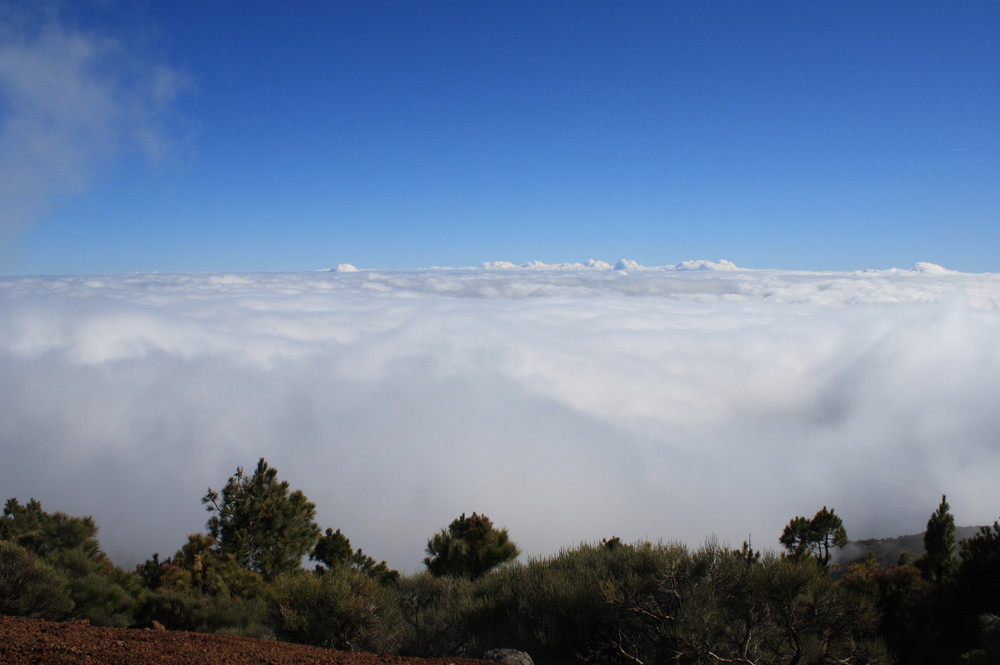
(71, 100)
(569, 403)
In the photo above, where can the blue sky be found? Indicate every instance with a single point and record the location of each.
(236, 137)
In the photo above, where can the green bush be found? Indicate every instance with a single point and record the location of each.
(198, 568)
(623, 605)
(569, 606)
(101, 592)
(435, 614)
(98, 588)
(810, 617)
(30, 587)
(341, 608)
(202, 613)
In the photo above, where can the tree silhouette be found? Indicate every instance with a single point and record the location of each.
(814, 537)
(267, 528)
(469, 548)
(939, 561)
(334, 550)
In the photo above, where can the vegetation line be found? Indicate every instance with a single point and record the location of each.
(610, 602)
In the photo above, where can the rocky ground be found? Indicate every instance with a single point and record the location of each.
(33, 641)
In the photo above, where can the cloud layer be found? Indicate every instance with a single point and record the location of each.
(569, 402)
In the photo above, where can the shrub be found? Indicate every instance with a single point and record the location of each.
(202, 613)
(29, 587)
(101, 592)
(570, 606)
(340, 609)
(625, 605)
(198, 568)
(811, 618)
(435, 614)
(97, 587)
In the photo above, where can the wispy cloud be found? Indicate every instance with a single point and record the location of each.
(70, 100)
(568, 404)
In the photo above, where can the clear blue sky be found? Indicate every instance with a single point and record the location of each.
(801, 135)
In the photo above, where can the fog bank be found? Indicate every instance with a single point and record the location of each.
(569, 403)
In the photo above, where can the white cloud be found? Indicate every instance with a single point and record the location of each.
(567, 403)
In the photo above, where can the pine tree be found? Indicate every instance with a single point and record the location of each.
(469, 547)
(334, 550)
(814, 537)
(267, 528)
(49, 533)
(939, 561)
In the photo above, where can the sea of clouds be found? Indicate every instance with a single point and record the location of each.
(568, 402)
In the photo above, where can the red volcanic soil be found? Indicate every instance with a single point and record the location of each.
(24, 641)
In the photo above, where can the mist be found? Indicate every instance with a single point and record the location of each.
(569, 403)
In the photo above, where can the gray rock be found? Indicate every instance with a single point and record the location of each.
(508, 657)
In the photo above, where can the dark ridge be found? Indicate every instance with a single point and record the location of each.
(888, 550)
